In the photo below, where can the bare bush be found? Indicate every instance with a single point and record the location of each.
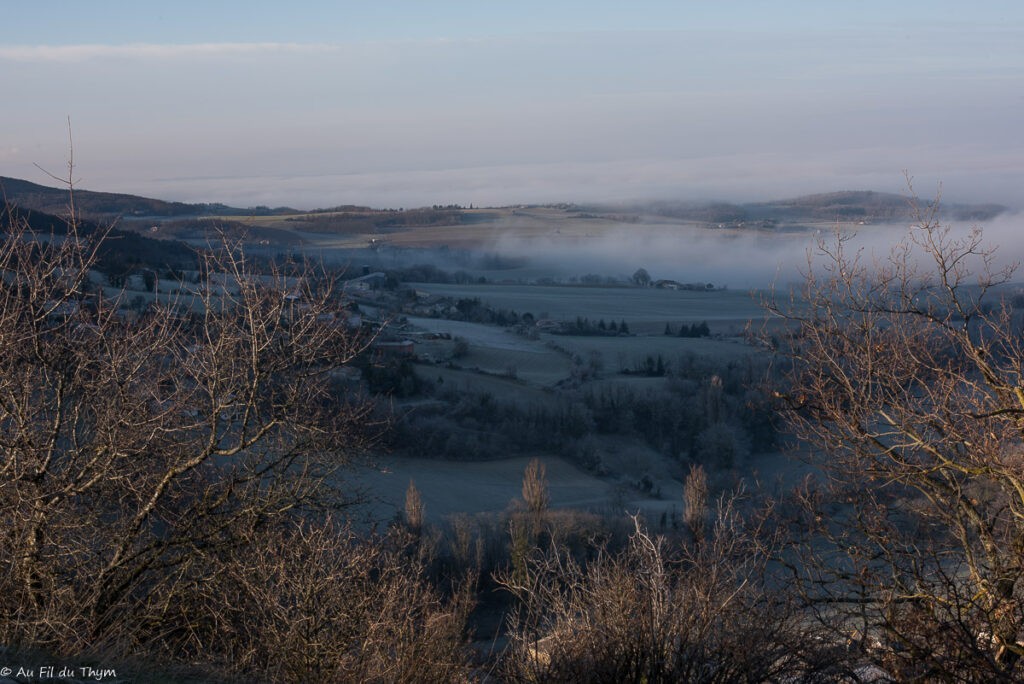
(658, 613)
(320, 603)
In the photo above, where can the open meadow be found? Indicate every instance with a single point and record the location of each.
(644, 309)
(450, 487)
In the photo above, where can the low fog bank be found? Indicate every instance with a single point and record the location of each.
(736, 259)
(686, 255)
(530, 250)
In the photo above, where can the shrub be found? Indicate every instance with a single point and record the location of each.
(653, 613)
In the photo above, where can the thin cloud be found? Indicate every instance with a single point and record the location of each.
(81, 53)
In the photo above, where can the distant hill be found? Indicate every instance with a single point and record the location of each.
(122, 252)
(179, 219)
(865, 204)
(846, 206)
(105, 206)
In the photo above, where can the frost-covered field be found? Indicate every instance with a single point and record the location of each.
(449, 487)
(635, 305)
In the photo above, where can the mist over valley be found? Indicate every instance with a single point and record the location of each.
(496, 342)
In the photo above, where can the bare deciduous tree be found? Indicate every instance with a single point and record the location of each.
(139, 455)
(908, 380)
(414, 509)
(535, 488)
(695, 501)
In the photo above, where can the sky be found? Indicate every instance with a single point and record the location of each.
(400, 104)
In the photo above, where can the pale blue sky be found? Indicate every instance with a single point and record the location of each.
(411, 103)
